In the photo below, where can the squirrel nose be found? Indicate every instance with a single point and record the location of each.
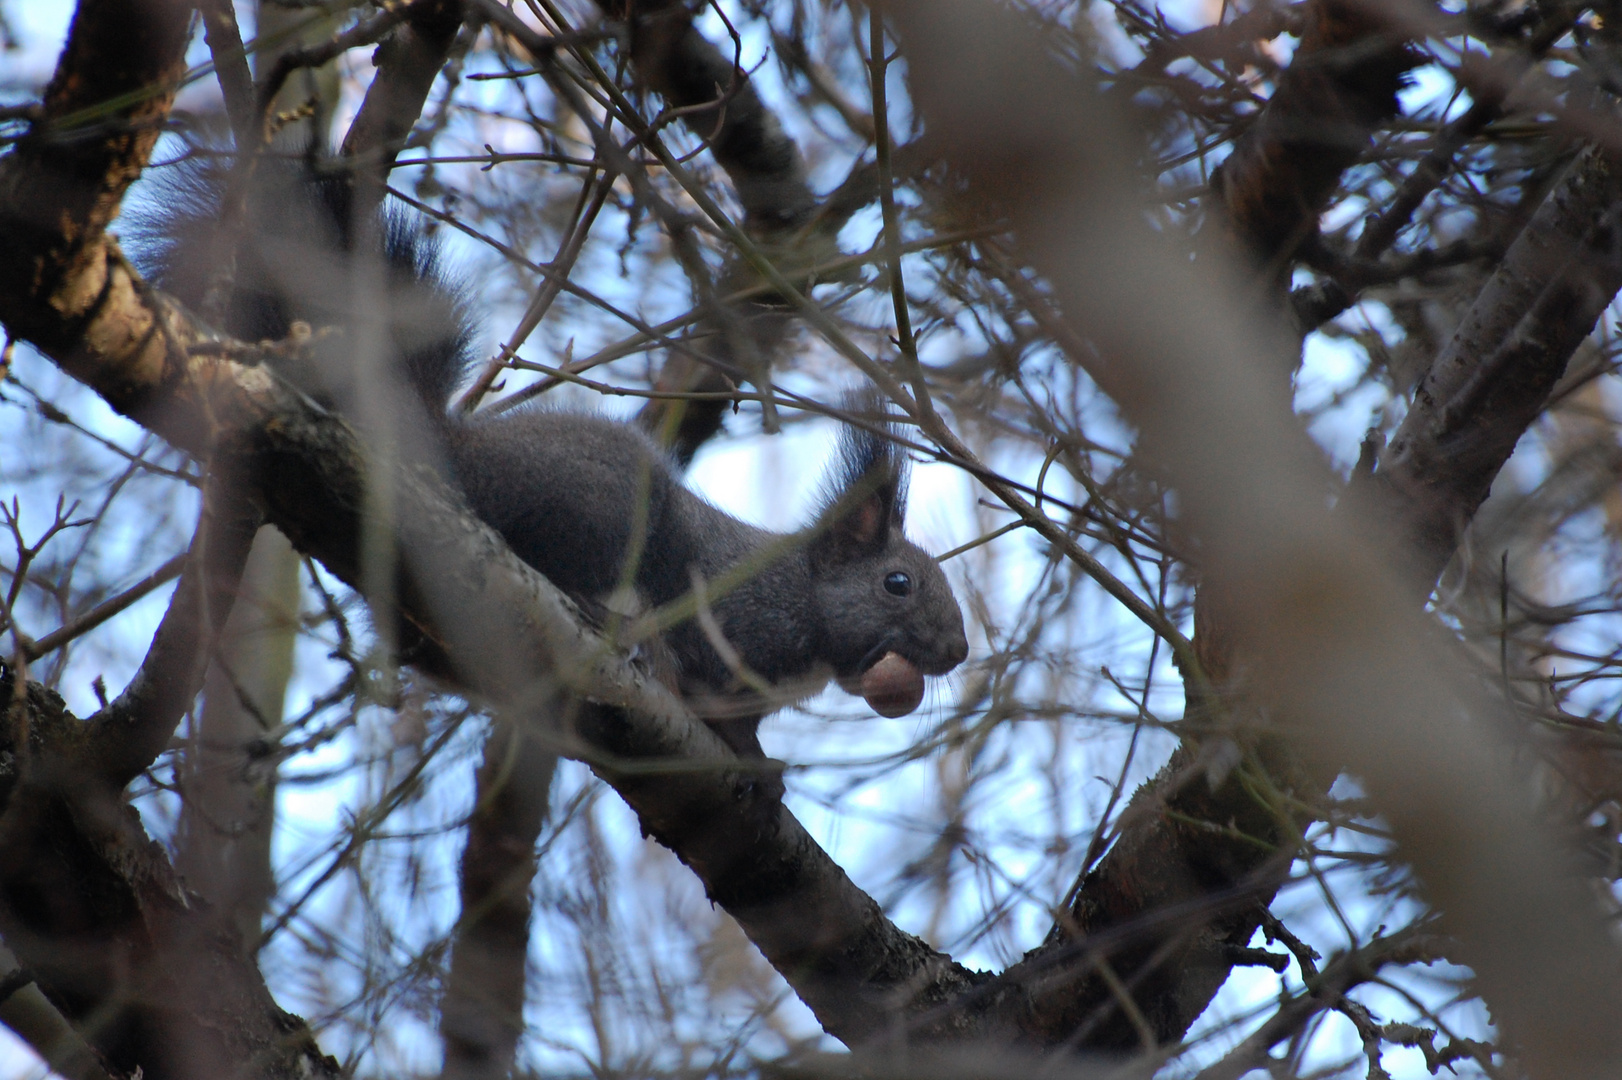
(957, 650)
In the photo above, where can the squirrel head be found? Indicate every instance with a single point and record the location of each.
(886, 612)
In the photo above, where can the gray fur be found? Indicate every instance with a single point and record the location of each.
(564, 490)
(592, 503)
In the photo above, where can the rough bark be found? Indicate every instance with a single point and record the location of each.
(1494, 376)
(98, 917)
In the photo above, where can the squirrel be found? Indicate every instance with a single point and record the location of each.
(592, 503)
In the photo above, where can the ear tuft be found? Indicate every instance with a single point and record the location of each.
(865, 497)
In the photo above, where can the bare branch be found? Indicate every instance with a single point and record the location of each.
(1496, 373)
(231, 67)
(721, 106)
(482, 1014)
(509, 634)
(1341, 85)
(408, 62)
(1335, 644)
(127, 736)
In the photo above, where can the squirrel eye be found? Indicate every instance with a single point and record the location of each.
(898, 584)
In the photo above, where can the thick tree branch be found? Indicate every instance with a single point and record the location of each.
(1163, 857)
(509, 634)
(408, 62)
(1216, 850)
(84, 153)
(1495, 375)
(515, 640)
(93, 909)
(88, 903)
(864, 978)
(1333, 642)
(1316, 304)
(1340, 87)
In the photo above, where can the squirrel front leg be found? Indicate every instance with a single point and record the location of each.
(742, 734)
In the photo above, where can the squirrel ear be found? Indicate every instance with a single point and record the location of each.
(855, 526)
(866, 497)
(867, 523)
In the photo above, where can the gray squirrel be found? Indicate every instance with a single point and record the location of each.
(592, 503)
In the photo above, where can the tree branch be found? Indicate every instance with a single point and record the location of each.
(231, 68)
(1325, 990)
(1198, 832)
(227, 773)
(408, 62)
(718, 102)
(482, 1015)
(129, 734)
(720, 106)
(1341, 87)
(94, 911)
(1495, 374)
(1252, 491)
(1334, 647)
(509, 634)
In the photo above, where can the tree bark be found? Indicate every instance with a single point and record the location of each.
(1335, 650)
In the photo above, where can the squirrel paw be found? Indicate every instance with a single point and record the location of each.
(763, 784)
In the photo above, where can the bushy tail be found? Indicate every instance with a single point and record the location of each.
(290, 252)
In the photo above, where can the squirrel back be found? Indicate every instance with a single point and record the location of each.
(592, 503)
